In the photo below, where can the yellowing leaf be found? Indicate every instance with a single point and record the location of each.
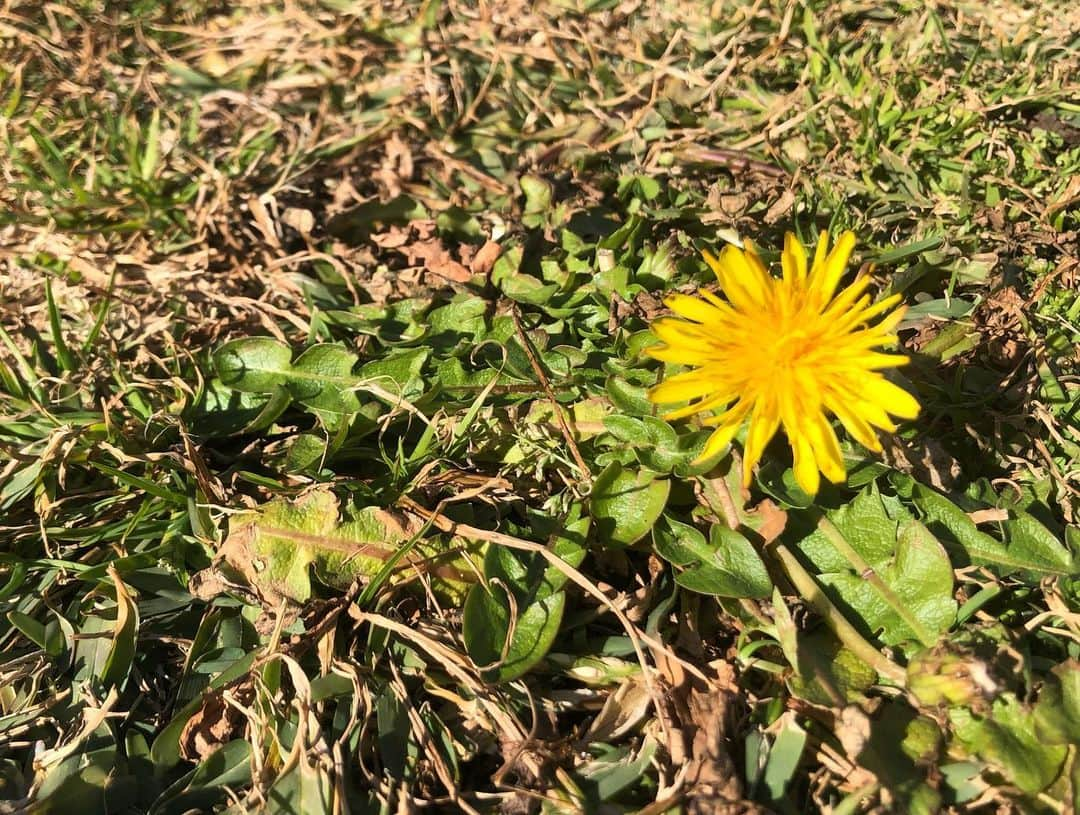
(276, 547)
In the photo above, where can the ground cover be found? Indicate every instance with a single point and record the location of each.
(329, 480)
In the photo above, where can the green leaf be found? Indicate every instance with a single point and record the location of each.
(29, 627)
(321, 378)
(726, 566)
(63, 353)
(628, 398)
(657, 267)
(306, 788)
(209, 783)
(898, 253)
(503, 650)
(678, 543)
(1007, 739)
(568, 543)
(465, 318)
(525, 288)
(886, 568)
(626, 503)
(121, 652)
(1030, 547)
(393, 324)
(253, 364)
(1057, 713)
(613, 280)
(619, 770)
(507, 265)
(151, 152)
(399, 373)
(538, 198)
(919, 579)
(354, 225)
(511, 620)
(623, 237)
(270, 411)
(828, 667)
(306, 451)
(459, 223)
(397, 747)
(222, 411)
(1025, 534)
(656, 443)
(824, 670)
(82, 783)
(626, 429)
(665, 451)
(451, 375)
(784, 755)
(869, 523)
(963, 780)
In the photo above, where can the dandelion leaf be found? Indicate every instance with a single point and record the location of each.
(277, 547)
(909, 595)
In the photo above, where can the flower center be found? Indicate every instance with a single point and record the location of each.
(789, 348)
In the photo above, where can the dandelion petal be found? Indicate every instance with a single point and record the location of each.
(792, 351)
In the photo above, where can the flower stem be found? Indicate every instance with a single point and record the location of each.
(849, 636)
(867, 573)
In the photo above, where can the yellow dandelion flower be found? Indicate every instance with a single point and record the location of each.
(785, 351)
